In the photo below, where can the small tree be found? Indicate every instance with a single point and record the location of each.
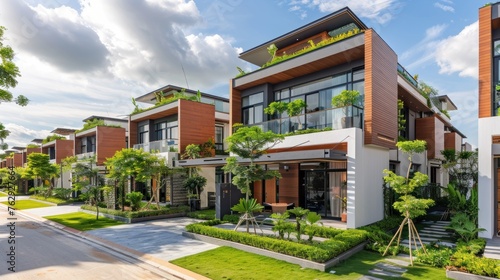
(409, 206)
(40, 168)
(132, 163)
(462, 168)
(293, 109)
(249, 143)
(299, 213)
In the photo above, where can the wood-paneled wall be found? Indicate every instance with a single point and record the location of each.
(431, 129)
(453, 140)
(485, 62)
(234, 106)
(132, 133)
(196, 123)
(64, 148)
(381, 92)
(109, 140)
(18, 159)
(289, 185)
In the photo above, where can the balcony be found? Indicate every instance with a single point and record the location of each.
(85, 155)
(336, 118)
(160, 146)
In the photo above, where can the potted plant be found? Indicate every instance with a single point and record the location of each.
(343, 100)
(194, 186)
(343, 216)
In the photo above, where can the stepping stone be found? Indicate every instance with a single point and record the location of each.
(436, 228)
(430, 239)
(390, 267)
(439, 233)
(399, 262)
(366, 277)
(406, 256)
(381, 272)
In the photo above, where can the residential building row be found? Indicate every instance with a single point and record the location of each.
(342, 162)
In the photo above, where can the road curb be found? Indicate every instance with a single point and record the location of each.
(165, 266)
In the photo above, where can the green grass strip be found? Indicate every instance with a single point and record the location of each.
(27, 204)
(82, 221)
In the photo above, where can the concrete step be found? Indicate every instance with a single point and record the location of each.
(399, 262)
(390, 267)
(367, 277)
(381, 272)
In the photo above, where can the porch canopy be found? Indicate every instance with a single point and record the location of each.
(280, 157)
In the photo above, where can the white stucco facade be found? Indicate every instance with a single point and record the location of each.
(487, 127)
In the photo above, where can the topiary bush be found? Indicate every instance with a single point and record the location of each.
(135, 199)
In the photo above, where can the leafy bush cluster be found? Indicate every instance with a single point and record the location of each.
(139, 214)
(318, 252)
(202, 214)
(52, 199)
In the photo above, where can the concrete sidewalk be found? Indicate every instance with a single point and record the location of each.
(155, 242)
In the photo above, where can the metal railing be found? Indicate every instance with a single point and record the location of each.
(336, 118)
(161, 146)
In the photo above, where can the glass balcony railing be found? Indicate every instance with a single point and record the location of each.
(85, 155)
(161, 146)
(336, 118)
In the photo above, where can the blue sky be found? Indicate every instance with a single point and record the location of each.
(90, 57)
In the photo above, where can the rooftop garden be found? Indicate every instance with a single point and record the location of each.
(51, 138)
(94, 123)
(162, 100)
(351, 30)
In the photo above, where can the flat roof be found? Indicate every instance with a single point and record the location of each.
(259, 54)
(151, 98)
(105, 118)
(63, 131)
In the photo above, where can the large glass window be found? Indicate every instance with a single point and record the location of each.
(219, 138)
(252, 108)
(144, 134)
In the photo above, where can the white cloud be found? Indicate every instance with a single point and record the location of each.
(91, 59)
(377, 10)
(424, 50)
(459, 53)
(443, 7)
(23, 135)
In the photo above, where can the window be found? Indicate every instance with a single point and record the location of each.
(144, 134)
(166, 130)
(252, 108)
(91, 144)
(219, 138)
(496, 48)
(83, 145)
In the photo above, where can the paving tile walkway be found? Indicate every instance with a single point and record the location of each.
(492, 249)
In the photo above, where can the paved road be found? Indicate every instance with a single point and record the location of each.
(44, 253)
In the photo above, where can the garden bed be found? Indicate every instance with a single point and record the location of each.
(291, 259)
(135, 217)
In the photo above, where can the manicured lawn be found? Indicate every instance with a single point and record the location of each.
(82, 221)
(2, 194)
(228, 263)
(27, 204)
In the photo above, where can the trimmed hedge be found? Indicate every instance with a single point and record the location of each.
(321, 252)
(139, 214)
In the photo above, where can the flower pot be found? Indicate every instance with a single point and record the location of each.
(343, 217)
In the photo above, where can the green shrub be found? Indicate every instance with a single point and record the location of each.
(62, 193)
(476, 265)
(202, 214)
(135, 199)
(139, 214)
(233, 219)
(438, 257)
(475, 246)
(318, 252)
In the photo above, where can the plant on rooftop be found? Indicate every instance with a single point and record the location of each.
(94, 123)
(276, 59)
(52, 137)
(162, 100)
(32, 146)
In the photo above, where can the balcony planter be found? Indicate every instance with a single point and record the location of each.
(346, 99)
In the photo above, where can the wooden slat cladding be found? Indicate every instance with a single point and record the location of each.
(289, 185)
(18, 160)
(132, 133)
(196, 123)
(431, 129)
(495, 139)
(485, 62)
(453, 140)
(64, 148)
(302, 44)
(257, 191)
(109, 140)
(234, 106)
(381, 92)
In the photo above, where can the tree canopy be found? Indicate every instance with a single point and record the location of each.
(8, 74)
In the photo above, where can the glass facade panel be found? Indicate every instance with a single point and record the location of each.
(496, 48)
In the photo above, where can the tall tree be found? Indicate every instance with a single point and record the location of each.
(8, 74)
(249, 143)
(86, 178)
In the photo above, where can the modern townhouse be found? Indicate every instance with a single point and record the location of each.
(340, 167)
(489, 120)
(171, 124)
